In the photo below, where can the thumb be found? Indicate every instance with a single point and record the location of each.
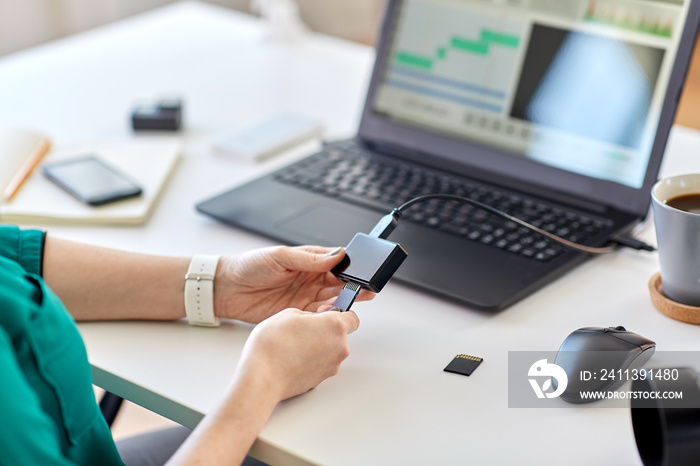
(350, 321)
(310, 259)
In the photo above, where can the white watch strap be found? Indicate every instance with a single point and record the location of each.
(199, 291)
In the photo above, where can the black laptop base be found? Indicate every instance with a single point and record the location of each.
(450, 266)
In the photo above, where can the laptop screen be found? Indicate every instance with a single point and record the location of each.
(578, 85)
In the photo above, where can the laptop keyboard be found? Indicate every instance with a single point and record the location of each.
(345, 170)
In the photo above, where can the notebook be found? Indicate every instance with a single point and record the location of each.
(559, 108)
(39, 200)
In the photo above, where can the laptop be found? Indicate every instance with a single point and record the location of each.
(557, 111)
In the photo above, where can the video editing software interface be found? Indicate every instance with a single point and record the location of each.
(574, 84)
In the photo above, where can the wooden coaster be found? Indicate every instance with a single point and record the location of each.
(678, 311)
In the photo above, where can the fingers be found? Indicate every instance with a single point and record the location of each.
(322, 304)
(316, 249)
(365, 295)
(309, 258)
(350, 321)
(325, 307)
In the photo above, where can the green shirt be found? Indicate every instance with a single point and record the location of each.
(48, 413)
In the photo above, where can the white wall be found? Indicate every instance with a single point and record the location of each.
(24, 23)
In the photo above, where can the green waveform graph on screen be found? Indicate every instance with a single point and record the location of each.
(480, 47)
(453, 55)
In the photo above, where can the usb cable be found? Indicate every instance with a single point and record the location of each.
(346, 297)
(386, 225)
(365, 248)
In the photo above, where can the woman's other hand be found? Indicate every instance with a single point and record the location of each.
(295, 350)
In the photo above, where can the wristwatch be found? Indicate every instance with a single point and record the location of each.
(199, 291)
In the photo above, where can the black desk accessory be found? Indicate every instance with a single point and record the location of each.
(163, 115)
(667, 431)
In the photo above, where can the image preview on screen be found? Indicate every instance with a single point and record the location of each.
(560, 86)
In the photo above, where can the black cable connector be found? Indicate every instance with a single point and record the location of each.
(634, 243)
(346, 297)
(386, 225)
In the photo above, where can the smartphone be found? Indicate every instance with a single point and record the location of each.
(91, 180)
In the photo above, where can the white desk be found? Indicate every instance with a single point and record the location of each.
(391, 402)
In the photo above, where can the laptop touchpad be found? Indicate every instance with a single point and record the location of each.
(322, 224)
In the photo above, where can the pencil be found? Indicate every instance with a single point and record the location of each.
(27, 168)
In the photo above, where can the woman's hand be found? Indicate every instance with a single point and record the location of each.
(286, 355)
(257, 284)
(295, 350)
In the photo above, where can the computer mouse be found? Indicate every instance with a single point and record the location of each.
(600, 359)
